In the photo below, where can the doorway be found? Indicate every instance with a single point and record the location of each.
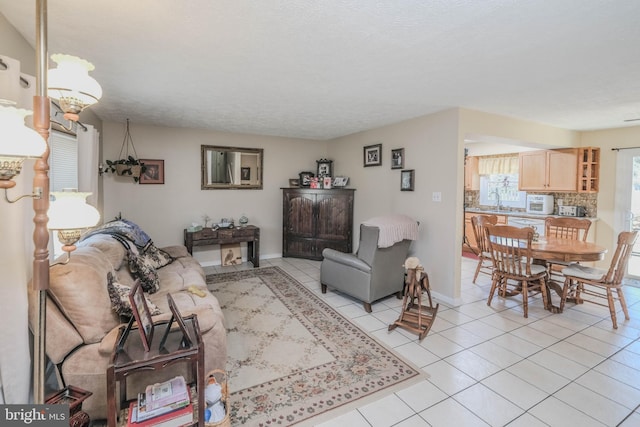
(627, 201)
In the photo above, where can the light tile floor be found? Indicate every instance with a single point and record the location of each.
(491, 366)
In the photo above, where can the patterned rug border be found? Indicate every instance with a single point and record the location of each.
(412, 373)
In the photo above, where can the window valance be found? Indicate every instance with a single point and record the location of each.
(498, 165)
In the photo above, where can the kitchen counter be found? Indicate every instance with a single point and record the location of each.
(519, 214)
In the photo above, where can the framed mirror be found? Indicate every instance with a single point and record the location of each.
(231, 168)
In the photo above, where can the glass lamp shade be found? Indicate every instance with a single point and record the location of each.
(71, 84)
(69, 210)
(17, 142)
(69, 213)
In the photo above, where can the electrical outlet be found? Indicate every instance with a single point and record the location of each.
(436, 196)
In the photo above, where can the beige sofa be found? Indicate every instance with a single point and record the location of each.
(82, 327)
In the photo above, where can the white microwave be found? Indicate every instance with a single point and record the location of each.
(539, 204)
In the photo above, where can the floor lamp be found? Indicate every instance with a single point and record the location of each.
(74, 90)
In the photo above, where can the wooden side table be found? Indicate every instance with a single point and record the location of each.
(222, 236)
(74, 396)
(131, 358)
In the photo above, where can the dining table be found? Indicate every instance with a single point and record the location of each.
(556, 249)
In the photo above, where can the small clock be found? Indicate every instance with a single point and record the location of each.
(325, 168)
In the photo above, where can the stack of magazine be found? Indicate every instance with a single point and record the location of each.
(162, 404)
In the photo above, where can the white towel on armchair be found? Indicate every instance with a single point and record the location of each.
(394, 228)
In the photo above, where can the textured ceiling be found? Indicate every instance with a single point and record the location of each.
(323, 69)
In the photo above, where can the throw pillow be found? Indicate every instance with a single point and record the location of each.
(156, 257)
(119, 295)
(144, 271)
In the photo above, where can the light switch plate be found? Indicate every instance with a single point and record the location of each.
(436, 196)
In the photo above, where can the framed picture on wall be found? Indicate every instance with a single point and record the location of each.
(373, 155)
(153, 173)
(397, 158)
(407, 178)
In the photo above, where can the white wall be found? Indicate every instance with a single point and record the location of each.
(16, 253)
(478, 125)
(164, 211)
(431, 147)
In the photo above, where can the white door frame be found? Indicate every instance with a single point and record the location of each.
(622, 202)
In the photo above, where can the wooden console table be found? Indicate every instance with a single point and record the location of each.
(221, 236)
(131, 358)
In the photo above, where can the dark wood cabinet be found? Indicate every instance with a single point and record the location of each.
(314, 219)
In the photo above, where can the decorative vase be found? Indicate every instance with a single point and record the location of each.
(243, 221)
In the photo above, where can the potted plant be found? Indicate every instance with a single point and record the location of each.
(127, 165)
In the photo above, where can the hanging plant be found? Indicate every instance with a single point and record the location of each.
(128, 163)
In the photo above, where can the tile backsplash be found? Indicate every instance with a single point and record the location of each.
(588, 200)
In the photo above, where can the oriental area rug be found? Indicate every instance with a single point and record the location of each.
(291, 356)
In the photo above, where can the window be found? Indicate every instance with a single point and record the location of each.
(63, 161)
(63, 171)
(502, 187)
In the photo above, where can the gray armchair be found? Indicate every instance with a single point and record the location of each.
(369, 274)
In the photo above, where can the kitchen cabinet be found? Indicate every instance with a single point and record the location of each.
(471, 175)
(314, 219)
(549, 170)
(470, 244)
(588, 169)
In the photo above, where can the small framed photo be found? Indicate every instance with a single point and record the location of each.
(340, 181)
(245, 174)
(153, 173)
(176, 317)
(305, 179)
(294, 182)
(326, 183)
(142, 314)
(230, 254)
(325, 168)
(373, 155)
(397, 158)
(407, 178)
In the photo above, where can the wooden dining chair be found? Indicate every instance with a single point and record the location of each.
(564, 228)
(513, 269)
(598, 283)
(478, 222)
(567, 228)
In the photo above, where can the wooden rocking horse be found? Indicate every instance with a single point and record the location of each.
(416, 318)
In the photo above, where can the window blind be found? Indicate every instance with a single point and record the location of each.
(63, 161)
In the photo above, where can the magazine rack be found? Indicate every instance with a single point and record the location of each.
(129, 356)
